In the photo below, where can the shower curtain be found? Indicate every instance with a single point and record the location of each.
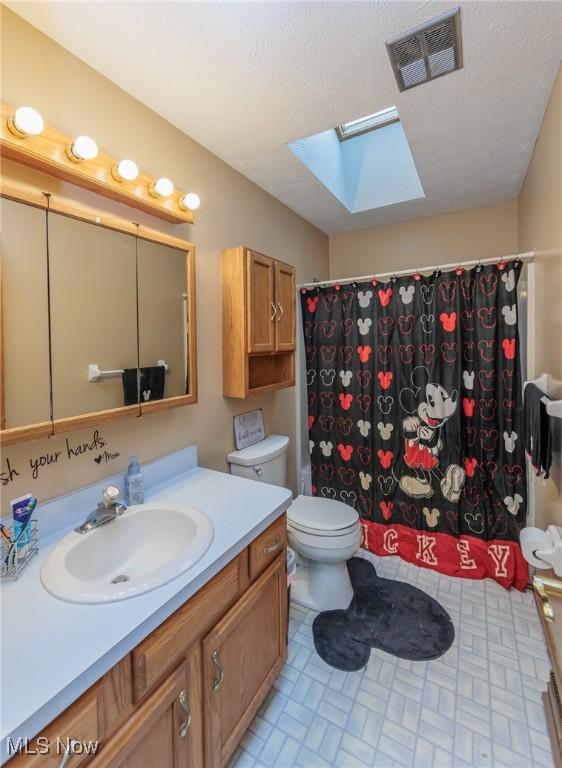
(415, 416)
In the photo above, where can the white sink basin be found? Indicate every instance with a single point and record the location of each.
(147, 546)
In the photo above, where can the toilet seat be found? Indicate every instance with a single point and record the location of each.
(321, 517)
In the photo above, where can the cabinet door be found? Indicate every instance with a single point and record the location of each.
(261, 303)
(285, 304)
(241, 658)
(165, 730)
(71, 739)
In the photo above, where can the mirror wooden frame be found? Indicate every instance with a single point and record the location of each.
(61, 205)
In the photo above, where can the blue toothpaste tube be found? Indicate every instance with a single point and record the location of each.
(22, 510)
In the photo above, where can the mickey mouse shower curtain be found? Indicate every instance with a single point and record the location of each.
(415, 416)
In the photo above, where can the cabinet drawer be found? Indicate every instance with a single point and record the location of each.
(267, 546)
(81, 724)
(161, 650)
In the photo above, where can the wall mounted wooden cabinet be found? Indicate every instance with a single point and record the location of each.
(259, 322)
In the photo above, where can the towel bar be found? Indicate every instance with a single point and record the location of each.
(549, 385)
(95, 373)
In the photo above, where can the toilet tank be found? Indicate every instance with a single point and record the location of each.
(265, 461)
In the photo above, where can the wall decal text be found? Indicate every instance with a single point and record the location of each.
(71, 451)
(10, 474)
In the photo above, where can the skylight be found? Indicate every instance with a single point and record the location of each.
(362, 167)
(368, 123)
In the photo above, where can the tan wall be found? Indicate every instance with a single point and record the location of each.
(476, 233)
(76, 99)
(540, 229)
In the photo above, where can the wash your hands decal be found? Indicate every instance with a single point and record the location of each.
(94, 449)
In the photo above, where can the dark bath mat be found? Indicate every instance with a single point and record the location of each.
(386, 614)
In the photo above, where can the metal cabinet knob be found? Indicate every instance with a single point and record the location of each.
(281, 312)
(274, 308)
(218, 681)
(184, 704)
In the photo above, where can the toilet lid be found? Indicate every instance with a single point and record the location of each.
(314, 513)
(261, 452)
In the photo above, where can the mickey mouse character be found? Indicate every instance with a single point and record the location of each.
(430, 406)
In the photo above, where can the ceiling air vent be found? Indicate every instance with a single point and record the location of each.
(428, 51)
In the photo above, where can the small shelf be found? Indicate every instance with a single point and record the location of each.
(269, 372)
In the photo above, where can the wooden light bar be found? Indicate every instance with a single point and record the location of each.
(47, 152)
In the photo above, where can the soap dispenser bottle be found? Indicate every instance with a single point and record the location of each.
(134, 483)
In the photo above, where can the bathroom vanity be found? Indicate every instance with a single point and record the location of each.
(197, 656)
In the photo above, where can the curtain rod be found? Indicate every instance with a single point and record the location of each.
(528, 256)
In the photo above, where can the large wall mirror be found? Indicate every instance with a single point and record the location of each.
(98, 317)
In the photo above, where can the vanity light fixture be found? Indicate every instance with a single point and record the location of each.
(82, 148)
(189, 202)
(161, 188)
(25, 138)
(26, 121)
(125, 170)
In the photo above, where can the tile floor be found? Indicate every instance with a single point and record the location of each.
(478, 705)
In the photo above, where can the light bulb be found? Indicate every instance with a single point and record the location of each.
(125, 170)
(26, 121)
(190, 202)
(82, 148)
(161, 188)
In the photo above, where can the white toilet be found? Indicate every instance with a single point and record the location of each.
(323, 532)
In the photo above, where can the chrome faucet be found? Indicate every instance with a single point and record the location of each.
(107, 510)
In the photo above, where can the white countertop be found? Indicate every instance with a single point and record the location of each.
(52, 651)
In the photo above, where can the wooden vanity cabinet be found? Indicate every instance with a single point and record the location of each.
(259, 323)
(185, 695)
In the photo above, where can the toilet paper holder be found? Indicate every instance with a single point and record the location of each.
(542, 549)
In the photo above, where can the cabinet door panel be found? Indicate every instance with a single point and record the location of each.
(285, 303)
(241, 658)
(165, 730)
(82, 723)
(261, 303)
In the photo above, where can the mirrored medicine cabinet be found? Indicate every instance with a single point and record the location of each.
(97, 313)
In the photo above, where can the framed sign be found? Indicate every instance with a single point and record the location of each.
(249, 428)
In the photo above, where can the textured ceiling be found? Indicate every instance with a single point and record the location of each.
(251, 77)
